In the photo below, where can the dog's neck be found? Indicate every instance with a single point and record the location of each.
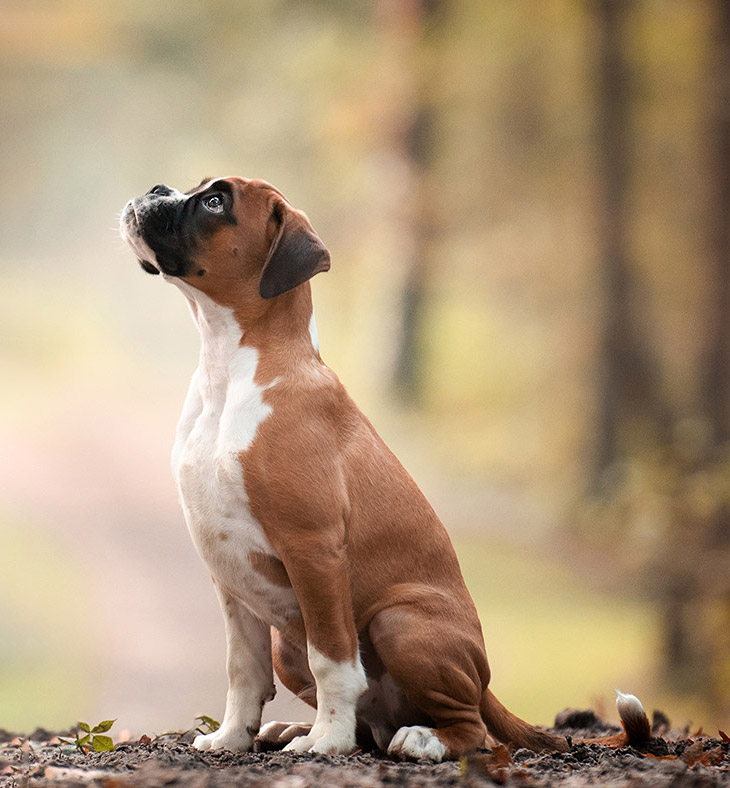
(284, 334)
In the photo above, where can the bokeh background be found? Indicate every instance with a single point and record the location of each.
(527, 206)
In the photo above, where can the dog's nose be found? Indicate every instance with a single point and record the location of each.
(161, 190)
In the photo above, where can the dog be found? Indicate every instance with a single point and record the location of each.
(329, 564)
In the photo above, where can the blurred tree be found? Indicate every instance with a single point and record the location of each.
(417, 25)
(629, 393)
(716, 372)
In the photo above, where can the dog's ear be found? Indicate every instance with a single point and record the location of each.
(296, 253)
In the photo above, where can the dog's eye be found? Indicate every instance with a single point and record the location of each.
(214, 203)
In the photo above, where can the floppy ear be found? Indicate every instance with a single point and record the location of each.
(296, 253)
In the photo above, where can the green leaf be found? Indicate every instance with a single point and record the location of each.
(103, 727)
(85, 727)
(102, 743)
(82, 741)
(212, 724)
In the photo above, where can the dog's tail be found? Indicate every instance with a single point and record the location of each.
(510, 729)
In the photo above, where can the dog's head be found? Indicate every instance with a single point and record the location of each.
(231, 238)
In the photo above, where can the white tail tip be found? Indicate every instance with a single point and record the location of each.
(633, 717)
(628, 705)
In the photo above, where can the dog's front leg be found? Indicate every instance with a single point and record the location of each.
(250, 678)
(321, 581)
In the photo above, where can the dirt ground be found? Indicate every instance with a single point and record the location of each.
(674, 759)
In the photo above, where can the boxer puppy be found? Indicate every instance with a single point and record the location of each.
(327, 560)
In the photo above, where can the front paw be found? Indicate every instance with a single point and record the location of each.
(232, 739)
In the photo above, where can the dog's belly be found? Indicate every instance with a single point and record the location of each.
(213, 434)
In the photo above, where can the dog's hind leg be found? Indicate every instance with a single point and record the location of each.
(442, 671)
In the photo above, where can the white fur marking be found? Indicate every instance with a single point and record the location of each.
(418, 743)
(628, 705)
(313, 332)
(339, 685)
(628, 702)
(221, 417)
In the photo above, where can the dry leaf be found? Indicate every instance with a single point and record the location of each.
(495, 765)
(712, 757)
(695, 754)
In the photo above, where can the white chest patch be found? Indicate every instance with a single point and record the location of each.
(220, 419)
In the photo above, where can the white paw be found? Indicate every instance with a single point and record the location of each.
(281, 733)
(416, 743)
(300, 744)
(326, 745)
(225, 739)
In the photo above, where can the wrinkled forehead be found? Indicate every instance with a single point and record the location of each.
(234, 183)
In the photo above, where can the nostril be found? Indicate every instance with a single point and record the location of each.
(160, 189)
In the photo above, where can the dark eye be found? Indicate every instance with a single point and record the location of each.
(214, 203)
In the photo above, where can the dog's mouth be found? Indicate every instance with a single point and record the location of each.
(131, 232)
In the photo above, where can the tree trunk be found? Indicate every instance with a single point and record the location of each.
(630, 407)
(716, 372)
(418, 22)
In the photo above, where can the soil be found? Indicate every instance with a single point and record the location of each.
(673, 759)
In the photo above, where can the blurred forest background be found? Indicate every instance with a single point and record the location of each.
(527, 205)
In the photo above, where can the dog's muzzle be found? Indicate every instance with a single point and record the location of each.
(150, 224)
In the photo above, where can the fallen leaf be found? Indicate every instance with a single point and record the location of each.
(495, 765)
(695, 754)
(724, 736)
(712, 757)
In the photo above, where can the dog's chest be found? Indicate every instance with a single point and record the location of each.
(220, 419)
